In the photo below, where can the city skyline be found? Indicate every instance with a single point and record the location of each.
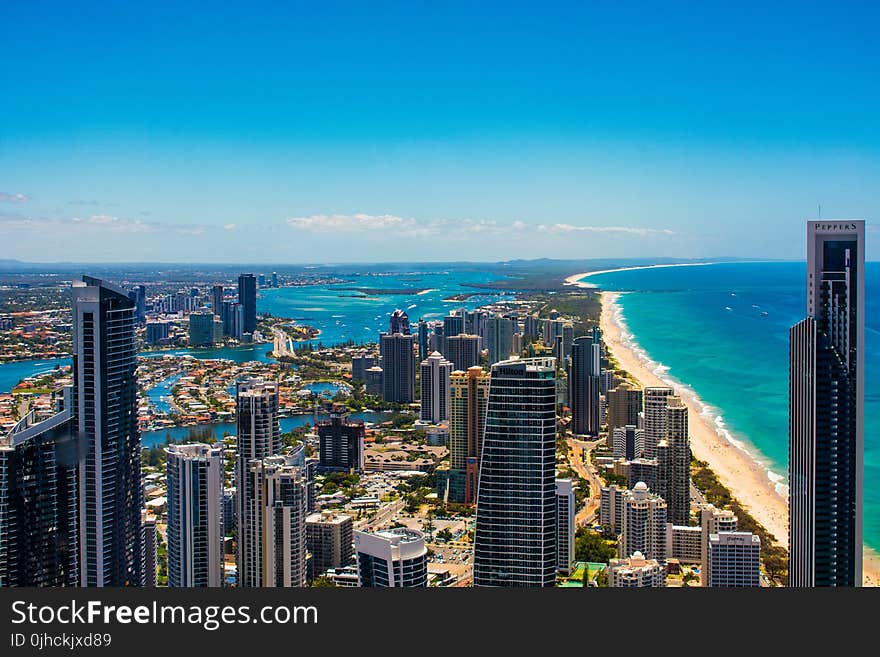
(592, 131)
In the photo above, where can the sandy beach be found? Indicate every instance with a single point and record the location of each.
(736, 469)
(576, 279)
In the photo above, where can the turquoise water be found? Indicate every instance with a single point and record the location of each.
(152, 438)
(346, 314)
(341, 314)
(723, 329)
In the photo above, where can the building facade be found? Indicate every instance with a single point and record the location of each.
(195, 515)
(826, 411)
(515, 541)
(394, 558)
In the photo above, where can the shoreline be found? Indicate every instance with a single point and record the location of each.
(738, 469)
(575, 280)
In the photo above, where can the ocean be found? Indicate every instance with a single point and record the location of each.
(355, 310)
(722, 330)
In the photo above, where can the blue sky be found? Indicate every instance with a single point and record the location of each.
(326, 131)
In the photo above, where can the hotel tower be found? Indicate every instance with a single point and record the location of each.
(826, 415)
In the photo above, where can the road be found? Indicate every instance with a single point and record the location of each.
(382, 517)
(585, 469)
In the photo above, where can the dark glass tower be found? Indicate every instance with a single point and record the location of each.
(826, 431)
(105, 408)
(247, 297)
(38, 514)
(399, 323)
(515, 536)
(583, 384)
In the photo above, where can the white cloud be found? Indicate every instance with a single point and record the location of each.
(228, 226)
(411, 227)
(14, 198)
(95, 223)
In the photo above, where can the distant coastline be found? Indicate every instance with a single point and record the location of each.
(576, 280)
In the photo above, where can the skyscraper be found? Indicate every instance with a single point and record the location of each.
(399, 323)
(826, 411)
(391, 558)
(583, 385)
(258, 437)
(655, 417)
(105, 404)
(330, 540)
(643, 525)
(623, 405)
(423, 338)
(467, 420)
(434, 382)
(463, 351)
(627, 442)
(278, 491)
(673, 455)
(341, 442)
(247, 297)
(734, 560)
(501, 330)
(398, 367)
(515, 537)
(565, 525)
(217, 294)
(38, 511)
(201, 329)
(195, 527)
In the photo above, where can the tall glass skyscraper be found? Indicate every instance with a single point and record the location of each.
(105, 405)
(515, 541)
(826, 415)
(247, 297)
(38, 511)
(583, 384)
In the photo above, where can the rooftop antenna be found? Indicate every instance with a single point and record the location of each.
(820, 211)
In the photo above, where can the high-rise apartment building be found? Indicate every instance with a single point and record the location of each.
(105, 399)
(515, 537)
(277, 491)
(565, 525)
(329, 536)
(463, 351)
(673, 455)
(611, 508)
(149, 549)
(628, 442)
(500, 333)
(826, 411)
(713, 521)
(434, 384)
(391, 558)
(654, 424)
(734, 560)
(623, 405)
(636, 572)
(195, 523)
(467, 420)
(341, 443)
(644, 524)
(398, 367)
(201, 329)
(258, 437)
